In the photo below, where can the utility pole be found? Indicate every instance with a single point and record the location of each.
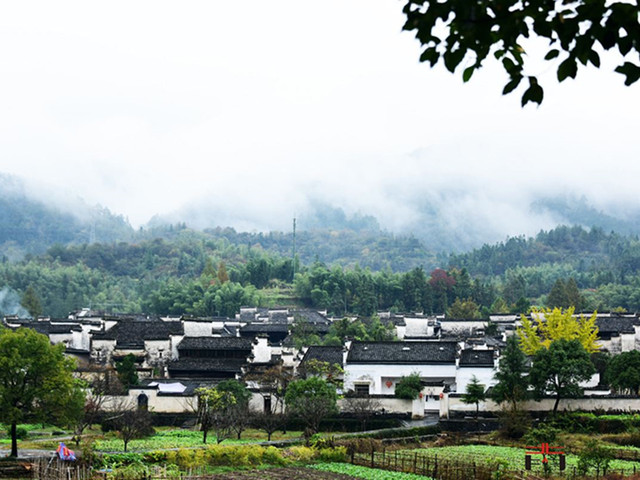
(293, 260)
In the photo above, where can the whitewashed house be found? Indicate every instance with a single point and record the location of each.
(478, 363)
(376, 367)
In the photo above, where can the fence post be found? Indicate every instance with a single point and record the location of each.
(415, 462)
(435, 466)
(384, 451)
(372, 456)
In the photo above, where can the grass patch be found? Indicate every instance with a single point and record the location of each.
(182, 438)
(366, 472)
(510, 458)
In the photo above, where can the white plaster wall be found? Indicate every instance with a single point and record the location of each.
(261, 350)
(483, 374)
(586, 403)
(57, 338)
(78, 340)
(109, 323)
(175, 340)
(604, 344)
(87, 331)
(420, 326)
(378, 374)
(154, 348)
(289, 358)
(452, 326)
(197, 329)
(157, 403)
(390, 405)
(401, 330)
(106, 346)
(627, 342)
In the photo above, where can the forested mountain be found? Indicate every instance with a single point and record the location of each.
(94, 258)
(31, 226)
(606, 266)
(215, 273)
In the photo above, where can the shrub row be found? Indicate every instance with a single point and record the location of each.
(590, 423)
(232, 455)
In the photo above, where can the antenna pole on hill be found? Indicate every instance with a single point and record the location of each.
(293, 260)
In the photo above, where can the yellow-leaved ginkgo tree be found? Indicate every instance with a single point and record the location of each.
(546, 326)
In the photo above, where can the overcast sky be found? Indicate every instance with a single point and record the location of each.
(258, 106)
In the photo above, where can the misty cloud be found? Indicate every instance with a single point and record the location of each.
(188, 115)
(10, 303)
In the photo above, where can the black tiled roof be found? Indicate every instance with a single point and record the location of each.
(48, 328)
(215, 343)
(278, 316)
(476, 358)
(198, 365)
(134, 332)
(402, 352)
(188, 318)
(310, 316)
(265, 328)
(323, 354)
(226, 331)
(613, 325)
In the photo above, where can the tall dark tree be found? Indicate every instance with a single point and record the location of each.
(31, 302)
(238, 412)
(311, 400)
(573, 295)
(560, 369)
(623, 372)
(512, 384)
(127, 372)
(558, 295)
(36, 382)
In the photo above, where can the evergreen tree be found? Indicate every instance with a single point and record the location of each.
(512, 384)
(127, 372)
(223, 276)
(474, 393)
(574, 297)
(31, 302)
(466, 309)
(558, 295)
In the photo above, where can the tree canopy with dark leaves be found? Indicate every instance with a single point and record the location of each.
(463, 32)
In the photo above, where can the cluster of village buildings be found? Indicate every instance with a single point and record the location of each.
(175, 355)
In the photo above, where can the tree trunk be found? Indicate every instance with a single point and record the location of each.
(14, 439)
(125, 445)
(204, 437)
(555, 405)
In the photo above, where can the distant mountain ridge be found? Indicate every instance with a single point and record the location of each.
(30, 226)
(324, 231)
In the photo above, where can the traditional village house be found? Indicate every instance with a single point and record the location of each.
(211, 357)
(150, 341)
(377, 367)
(478, 363)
